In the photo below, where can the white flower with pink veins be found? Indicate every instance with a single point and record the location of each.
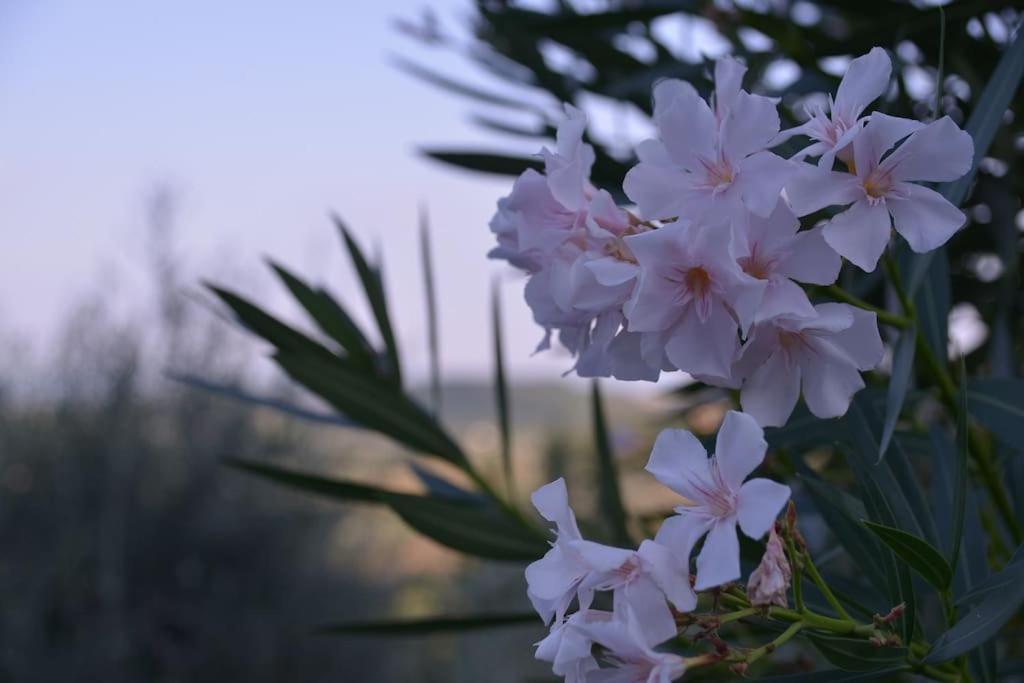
(630, 656)
(880, 190)
(709, 166)
(824, 355)
(717, 498)
(692, 292)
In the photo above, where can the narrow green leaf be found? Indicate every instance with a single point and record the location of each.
(430, 293)
(330, 317)
(960, 473)
(498, 164)
(373, 404)
(439, 487)
(932, 302)
(852, 654)
(428, 625)
(1003, 580)
(902, 370)
(840, 676)
(373, 286)
(457, 87)
(918, 553)
(999, 405)
(242, 396)
(608, 477)
(940, 74)
(336, 489)
(501, 389)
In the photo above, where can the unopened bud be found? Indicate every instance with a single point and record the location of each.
(769, 583)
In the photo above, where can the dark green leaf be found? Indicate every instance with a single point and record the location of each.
(433, 348)
(373, 286)
(429, 625)
(237, 394)
(902, 369)
(373, 404)
(458, 87)
(839, 676)
(335, 489)
(499, 164)
(1003, 580)
(960, 473)
(331, 318)
(439, 487)
(501, 388)
(855, 654)
(999, 405)
(918, 553)
(608, 484)
(932, 303)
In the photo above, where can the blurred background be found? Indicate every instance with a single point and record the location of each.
(148, 147)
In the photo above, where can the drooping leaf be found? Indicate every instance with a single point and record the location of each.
(609, 495)
(433, 347)
(428, 625)
(501, 388)
(373, 404)
(279, 405)
(1012, 573)
(331, 318)
(918, 553)
(902, 370)
(499, 164)
(373, 287)
(856, 654)
(335, 489)
(439, 487)
(999, 405)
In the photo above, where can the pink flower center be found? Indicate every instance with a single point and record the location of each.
(758, 264)
(718, 175)
(877, 185)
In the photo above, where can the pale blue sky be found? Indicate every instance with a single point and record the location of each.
(263, 115)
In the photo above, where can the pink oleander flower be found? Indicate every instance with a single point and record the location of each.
(824, 355)
(640, 580)
(709, 166)
(717, 498)
(865, 80)
(880, 190)
(769, 582)
(630, 655)
(694, 296)
(568, 646)
(772, 249)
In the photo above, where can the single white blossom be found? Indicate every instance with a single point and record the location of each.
(630, 656)
(824, 355)
(568, 646)
(769, 582)
(704, 169)
(693, 294)
(716, 496)
(865, 80)
(880, 188)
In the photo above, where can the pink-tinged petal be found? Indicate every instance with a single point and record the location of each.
(879, 135)
(783, 297)
(739, 448)
(677, 459)
(602, 558)
(866, 79)
(811, 188)
(860, 233)
(830, 318)
(830, 380)
(728, 82)
(653, 152)
(627, 358)
(760, 179)
(685, 123)
(751, 124)
(761, 344)
(771, 392)
(719, 560)
(647, 602)
(760, 502)
(811, 259)
(671, 576)
(647, 310)
(939, 152)
(924, 217)
(745, 298)
(656, 190)
(770, 234)
(552, 502)
(680, 533)
(542, 222)
(707, 348)
(828, 157)
(567, 182)
(612, 272)
(860, 340)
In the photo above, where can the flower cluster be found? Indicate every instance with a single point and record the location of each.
(651, 585)
(704, 274)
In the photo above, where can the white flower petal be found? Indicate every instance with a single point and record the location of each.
(783, 297)
(760, 179)
(749, 127)
(677, 459)
(685, 123)
(879, 135)
(830, 380)
(866, 79)
(939, 152)
(739, 448)
(771, 392)
(671, 575)
(552, 502)
(719, 560)
(656, 190)
(707, 348)
(860, 233)
(810, 189)
(860, 340)
(760, 502)
(924, 217)
(811, 259)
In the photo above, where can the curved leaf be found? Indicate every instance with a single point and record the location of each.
(855, 654)
(918, 553)
(902, 370)
(428, 625)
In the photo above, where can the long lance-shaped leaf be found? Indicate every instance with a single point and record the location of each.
(330, 317)
(430, 293)
(466, 527)
(918, 553)
(608, 484)
(428, 625)
(999, 405)
(840, 676)
(960, 473)
(242, 396)
(373, 286)
(501, 389)
(852, 654)
(902, 370)
(374, 404)
(982, 125)
(499, 164)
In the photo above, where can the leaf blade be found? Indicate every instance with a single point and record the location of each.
(918, 553)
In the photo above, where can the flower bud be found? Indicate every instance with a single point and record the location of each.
(770, 581)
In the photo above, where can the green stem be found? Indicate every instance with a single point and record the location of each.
(819, 581)
(768, 648)
(796, 563)
(884, 316)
